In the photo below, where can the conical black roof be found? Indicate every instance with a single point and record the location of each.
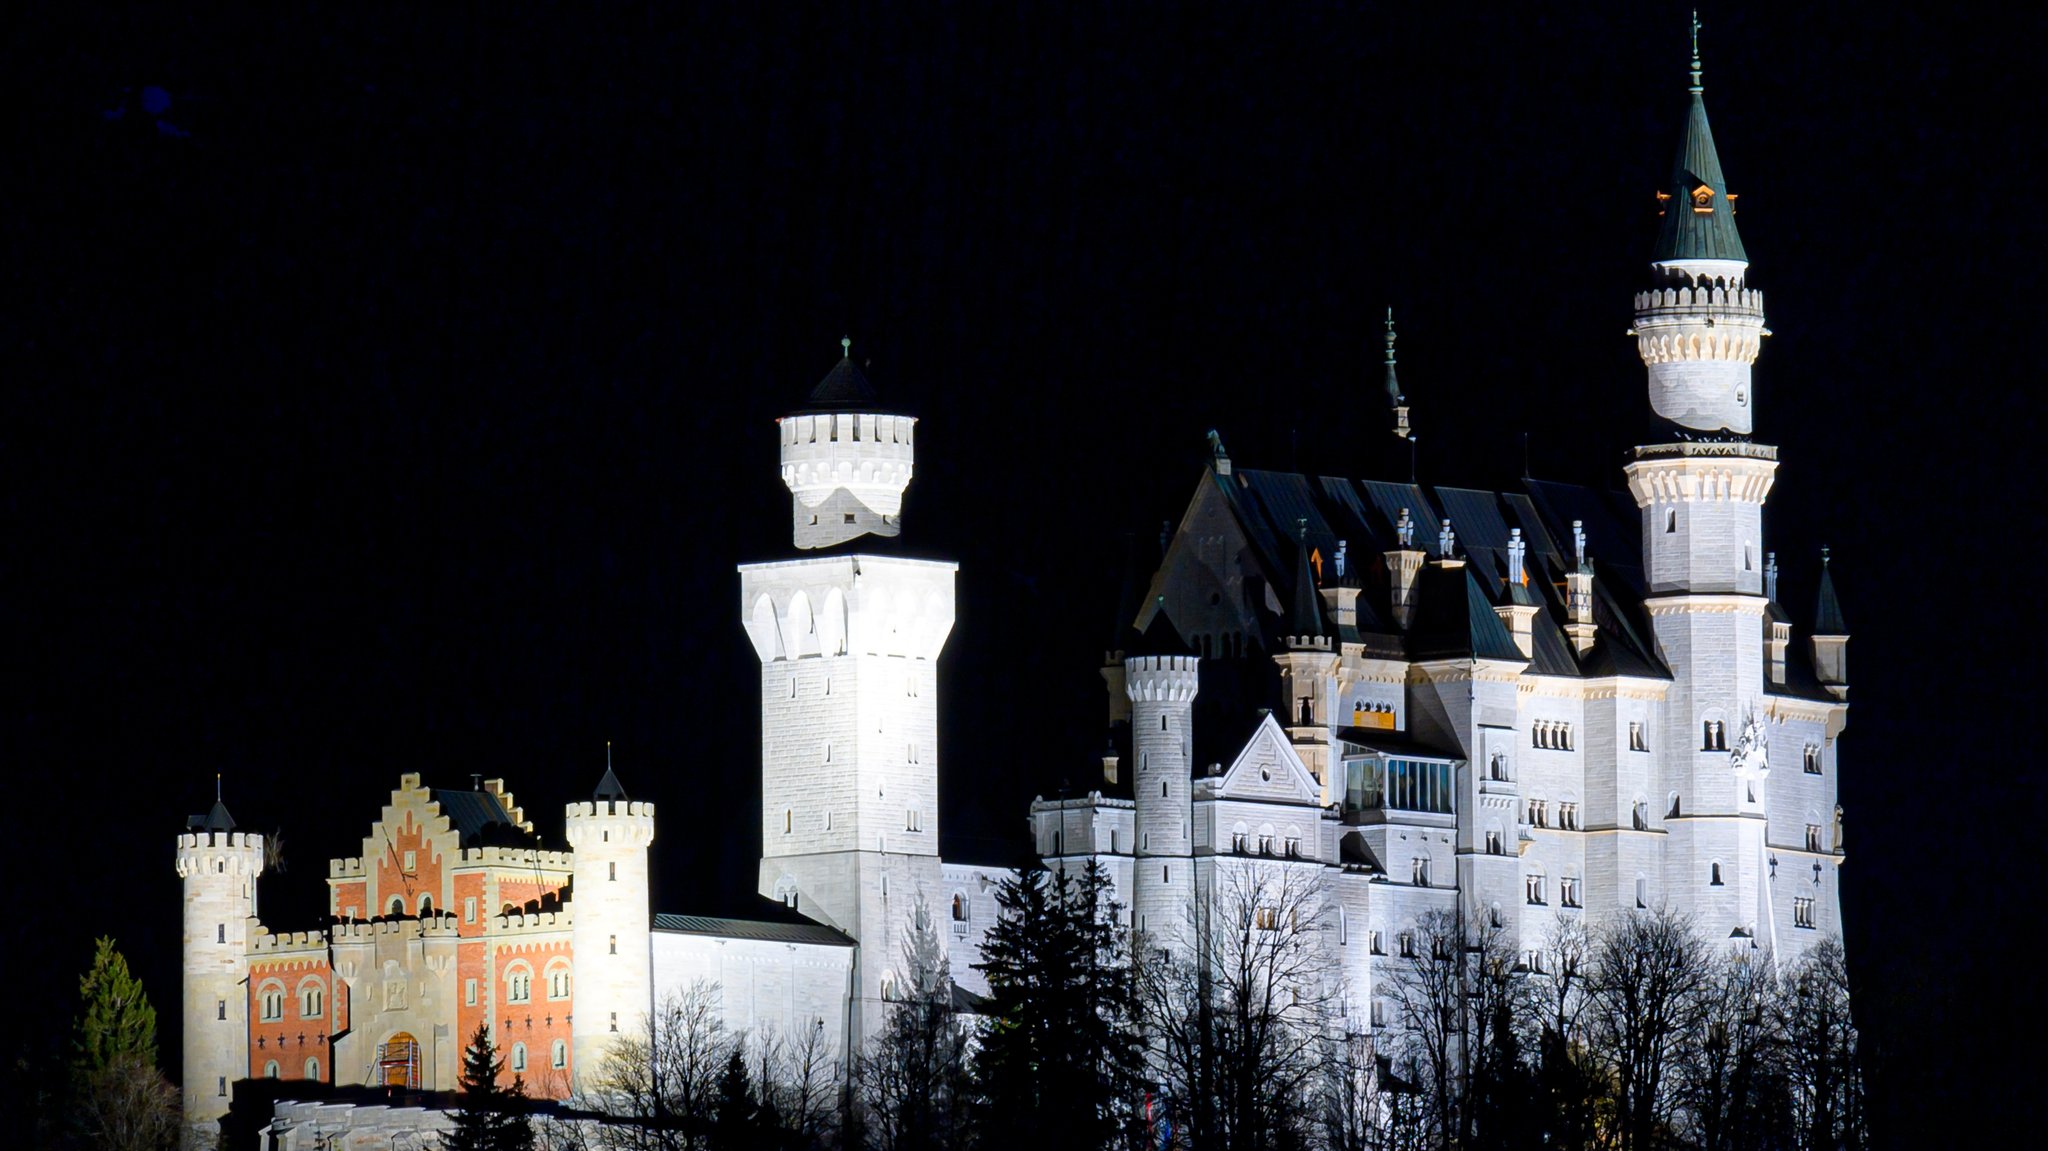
(844, 389)
(1698, 227)
(609, 788)
(1827, 615)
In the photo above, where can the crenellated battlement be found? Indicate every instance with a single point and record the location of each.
(291, 942)
(219, 853)
(361, 931)
(533, 922)
(1162, 678)
(522, 857)
(1701, 301)
(825, 451)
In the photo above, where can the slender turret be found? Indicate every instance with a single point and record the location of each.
(1162, 683)
(219, 867)
(614, 979)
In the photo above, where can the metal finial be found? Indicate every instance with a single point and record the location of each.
(1696, 88)
(216, 778)
(845, 349)
(1301, 528)
(607, 755)
(1823, 555)
(1393, 385)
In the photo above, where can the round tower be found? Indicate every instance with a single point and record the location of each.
(219, 867)
(1699, 327)
(614, 985)
(1162, 691)
(846, 461)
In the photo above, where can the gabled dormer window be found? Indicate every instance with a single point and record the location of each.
(1703, 199)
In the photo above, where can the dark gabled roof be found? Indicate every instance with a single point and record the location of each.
(1686, 233)
(844, 389)
(1455, 617)
(770, 931)
(1393, 743)
(1827, 613)
(480, 819)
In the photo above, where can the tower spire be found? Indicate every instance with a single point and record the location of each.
(1394, 396)
(1696, 88)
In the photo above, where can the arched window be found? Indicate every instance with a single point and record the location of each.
(310, 999)
(313, 1069)
(270, 1002)
(398, 905)
(519, 983)
(959, 908)
(426, 905)
(558, 980)
(270, 1069)
(558, 1056)
(518, 1060)
(1714, 875)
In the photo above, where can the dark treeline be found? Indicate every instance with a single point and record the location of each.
(1237, 1033)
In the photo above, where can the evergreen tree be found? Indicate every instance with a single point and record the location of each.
(491, 1118)
(1059, 1056)
(115, 1021)
(119, 1100)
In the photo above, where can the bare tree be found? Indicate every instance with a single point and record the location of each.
(1646, 999)
(657, 1089)
(1570, 1084)
(800, 1081)
(1428, 993)
(1238, 1018)
(1729, 1092)
(911, 1084)
(1822, 1056)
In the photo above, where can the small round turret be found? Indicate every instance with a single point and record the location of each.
(846, 461)
(219, 867)
(614, 985)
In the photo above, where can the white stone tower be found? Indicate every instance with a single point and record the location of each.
(219, 867)
(1702, 495)
(849, 646)
(1162, 689)
(609, 907)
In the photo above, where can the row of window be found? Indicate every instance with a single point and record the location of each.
(1537, 814)
(1553, 735)
(270, 1003)
(1535, 891)
(271, 1071)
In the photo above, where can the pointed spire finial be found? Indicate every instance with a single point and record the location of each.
(1823, 555)
(216, 775)
(1696, 87)
(1517, 552)
(607, 755)
(1579, 543)
(1393, 385)
(846, 346)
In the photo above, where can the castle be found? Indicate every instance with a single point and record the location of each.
(1513, 705)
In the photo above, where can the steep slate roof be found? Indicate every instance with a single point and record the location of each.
(609, 788)
(1455, 615)
(216, 819)
(844, 389)
(1827, 613)
(1686, 234)
(480, 819)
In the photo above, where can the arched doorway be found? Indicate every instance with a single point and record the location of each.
(398, 1062)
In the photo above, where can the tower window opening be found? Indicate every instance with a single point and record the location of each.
(788, 821)
(1162, 789)
(1642, 893)
(1714, 875)
(221, 1007)
(959, 908)
(1813, 841)
(614, 867)
(222, 1089)
(313, 1069)
(220, 933)
(1162, 723)
(1811, 760)
(1670, 521)
(615, 945)
(615, 1021)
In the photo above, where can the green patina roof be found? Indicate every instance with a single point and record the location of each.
(1686, 234)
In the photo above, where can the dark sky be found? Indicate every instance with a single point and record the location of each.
(396, 393)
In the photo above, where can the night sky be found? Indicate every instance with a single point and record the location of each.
(389, 393)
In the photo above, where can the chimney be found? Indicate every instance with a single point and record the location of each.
(1403, 563)
(1579, 625)
(1518, 605)
(1778, 629)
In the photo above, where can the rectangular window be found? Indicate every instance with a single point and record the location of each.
(1568, 891)
(1532, 889)
(1636, 742)
(469, 992)
(220, 933)
(1802, 913)
(221, 1007)
(614, 870)
(222, 1090)
(1811, 760)
(469, 910)
(1406, 940)
(1268, 919)
(412, 862)
(1813, 837)
(1496, 843)
(1568, 816)
(1642, 893)
(615, 944)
